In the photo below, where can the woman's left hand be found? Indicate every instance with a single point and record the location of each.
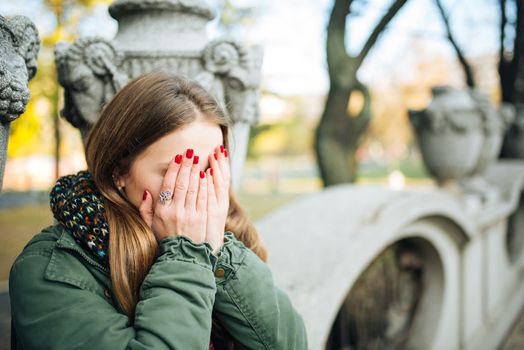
(218, 183)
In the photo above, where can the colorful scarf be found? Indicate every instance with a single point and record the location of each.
(77, 204)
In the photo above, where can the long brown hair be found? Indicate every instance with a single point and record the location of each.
(142, 112)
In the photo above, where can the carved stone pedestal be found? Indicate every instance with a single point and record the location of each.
(168, 35)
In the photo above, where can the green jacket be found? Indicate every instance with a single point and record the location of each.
(61, 299)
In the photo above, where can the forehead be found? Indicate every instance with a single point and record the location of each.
(202, 136)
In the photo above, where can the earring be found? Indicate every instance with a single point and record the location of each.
(121, 190)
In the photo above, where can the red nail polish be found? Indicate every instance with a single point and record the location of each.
(189, 153)
(211, 172)
(202, 174)
(225, 153)
(178, 159)
(144, 196)
(215, 155)
(195, 160)
(222, 148)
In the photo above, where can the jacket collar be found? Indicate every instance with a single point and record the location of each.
(67, 242)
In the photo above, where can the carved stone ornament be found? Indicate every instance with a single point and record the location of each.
(91, 70)
(19, 45)
(460, 133)
(90, 74)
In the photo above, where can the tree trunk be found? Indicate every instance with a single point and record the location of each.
(338, 133)
(511, 73)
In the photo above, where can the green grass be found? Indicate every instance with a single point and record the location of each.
(259, 205)
(17, 227)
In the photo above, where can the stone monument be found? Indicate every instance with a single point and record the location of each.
(168, 35)
(19, 44)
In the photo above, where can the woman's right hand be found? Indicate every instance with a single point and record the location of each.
(185, 214)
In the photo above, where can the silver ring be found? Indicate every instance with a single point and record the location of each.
(165, 196)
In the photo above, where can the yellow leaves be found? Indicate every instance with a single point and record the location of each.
(92, 3)
(355, 104)
(272, 141)
(59, 34)
(24, 134)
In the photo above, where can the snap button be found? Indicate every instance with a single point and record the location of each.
(220, 272)
(107, 294)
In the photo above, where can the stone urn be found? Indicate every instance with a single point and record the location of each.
(459, 134)
(169, 35)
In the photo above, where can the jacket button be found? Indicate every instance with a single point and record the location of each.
(107, 294)
(220, 272)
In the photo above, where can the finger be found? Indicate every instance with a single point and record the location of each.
(223, 163)
(146, 208)
(201, 205)
(192, 190)
(168, 183)
(211, 196)
(217, 173)
(182, 180)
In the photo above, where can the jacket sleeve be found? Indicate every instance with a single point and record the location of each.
(174, 311)
(247, 303)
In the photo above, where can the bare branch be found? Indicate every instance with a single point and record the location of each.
(392, 11)
(336, 32)
(503, 22)
(464, 63)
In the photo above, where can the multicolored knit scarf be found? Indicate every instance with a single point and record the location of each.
(77, 204)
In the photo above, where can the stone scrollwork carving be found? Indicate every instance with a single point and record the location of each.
(19, 45)
(89, 71)
(232, 71)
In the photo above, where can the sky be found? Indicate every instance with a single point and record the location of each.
(292, 33)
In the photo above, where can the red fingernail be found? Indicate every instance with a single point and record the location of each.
(144, 196)
(211, 172)
(189, 153)
(221, 148)
(195, 160)
(225, 153)
(202, 174)
(215, 155)
(178, 159)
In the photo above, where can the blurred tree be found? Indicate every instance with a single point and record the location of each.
(511, 72)
(342, 124)
(511, 61)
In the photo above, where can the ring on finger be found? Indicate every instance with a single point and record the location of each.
(165, 196)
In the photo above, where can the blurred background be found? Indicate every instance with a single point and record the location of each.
(412, 54)
(383, 57)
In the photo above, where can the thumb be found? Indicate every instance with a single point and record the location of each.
(146, 208)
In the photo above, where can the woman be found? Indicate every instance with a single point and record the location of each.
(150, 251)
